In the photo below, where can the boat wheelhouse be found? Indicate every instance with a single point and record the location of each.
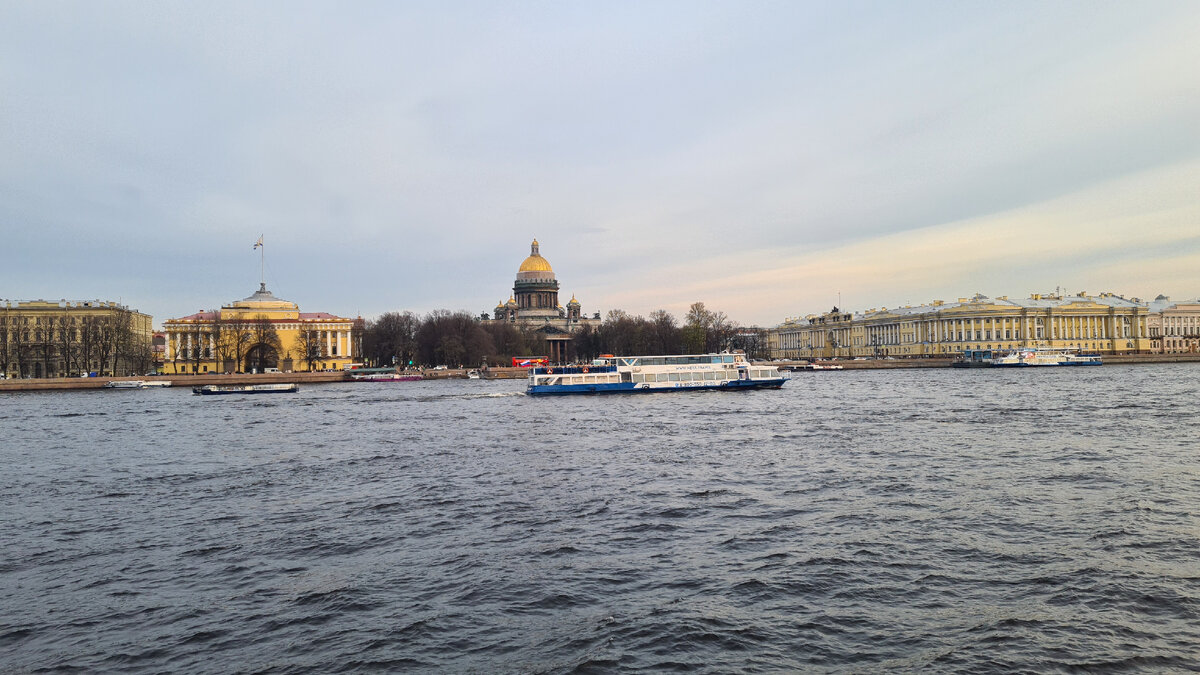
(629, 374)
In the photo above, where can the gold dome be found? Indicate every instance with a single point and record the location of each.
(535, 262)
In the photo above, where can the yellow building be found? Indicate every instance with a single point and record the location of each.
(67, 339)
(260, 333)
(1106, 324)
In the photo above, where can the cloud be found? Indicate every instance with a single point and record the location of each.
(1135, 235)
(402, 156)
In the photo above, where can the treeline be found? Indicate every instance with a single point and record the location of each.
(67, 346)
(460, 339)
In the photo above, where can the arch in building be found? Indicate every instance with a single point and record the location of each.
(260, 357)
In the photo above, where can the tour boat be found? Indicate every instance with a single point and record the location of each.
(1023, 358)
(628, 374)
(214, 389)
(155, 383)
(124, 384)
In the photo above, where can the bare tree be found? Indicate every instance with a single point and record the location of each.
(68, 343)
(392, 338)
(6, 343)
(23, 347)
(310, 347)
(236, 336)
(89, 339)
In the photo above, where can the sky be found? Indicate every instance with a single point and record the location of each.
(770, 159)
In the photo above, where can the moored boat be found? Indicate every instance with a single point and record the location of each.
(155, 384)
(640, 374)
(124, 384)
(820, 366)
(216, 389)
(1024, 358)
(386, 377)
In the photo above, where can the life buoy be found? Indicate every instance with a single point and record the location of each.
(549, 371)
(585, 369)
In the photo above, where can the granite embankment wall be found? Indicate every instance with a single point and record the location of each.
(61, 383)
(58, 383)
(1109, 359)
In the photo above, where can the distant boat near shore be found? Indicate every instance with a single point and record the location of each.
(216, 389)
(136, 384)
(386, 377)
(1024, 358)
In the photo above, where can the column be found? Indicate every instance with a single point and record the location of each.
(328, 342)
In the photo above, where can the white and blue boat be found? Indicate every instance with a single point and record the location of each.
(1024, 358)
(643, 374)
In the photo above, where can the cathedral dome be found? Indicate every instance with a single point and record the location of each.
(263, 299)
(535, 262)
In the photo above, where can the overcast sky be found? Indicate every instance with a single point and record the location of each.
(761, 157)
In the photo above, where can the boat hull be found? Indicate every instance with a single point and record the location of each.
(651, 388)
(1047, 365)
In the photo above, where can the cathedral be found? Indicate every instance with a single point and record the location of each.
(534, 301)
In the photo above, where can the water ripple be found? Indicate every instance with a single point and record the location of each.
(866, 521)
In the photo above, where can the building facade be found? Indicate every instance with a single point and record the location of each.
(1105, 324)
(258, 333)
(534, 303)
(1175, 325)
(68, 339)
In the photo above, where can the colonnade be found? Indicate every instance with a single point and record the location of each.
(182, 344)
(922, 334)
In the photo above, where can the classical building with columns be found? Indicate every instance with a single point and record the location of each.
(1105, 324)
(257, 333)
(534, 303)
(1175, 325)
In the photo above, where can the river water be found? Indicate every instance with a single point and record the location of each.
(910, 520)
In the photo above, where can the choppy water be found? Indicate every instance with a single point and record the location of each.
(934, 521)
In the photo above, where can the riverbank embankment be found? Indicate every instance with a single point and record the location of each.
(65, 383)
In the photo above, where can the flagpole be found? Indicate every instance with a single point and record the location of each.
(262, 262)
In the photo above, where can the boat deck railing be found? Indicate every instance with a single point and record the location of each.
(573, 370)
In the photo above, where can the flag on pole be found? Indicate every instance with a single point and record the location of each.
(258, 243)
